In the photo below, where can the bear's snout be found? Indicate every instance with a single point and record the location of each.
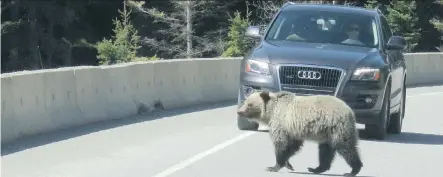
(240, 113)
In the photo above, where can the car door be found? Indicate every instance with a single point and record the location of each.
(395, 64)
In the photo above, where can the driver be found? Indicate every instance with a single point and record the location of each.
(353, 33)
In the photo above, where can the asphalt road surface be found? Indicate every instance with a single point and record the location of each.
(205, 142)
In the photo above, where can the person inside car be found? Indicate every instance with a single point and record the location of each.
(353, 33)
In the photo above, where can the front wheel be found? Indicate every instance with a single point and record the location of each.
(396, 122)
(378, 131)
(245, 124)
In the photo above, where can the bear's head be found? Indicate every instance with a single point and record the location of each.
(255, 106)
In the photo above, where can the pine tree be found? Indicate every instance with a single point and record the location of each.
(438, 21)
(179, 38)
(438, 24)
(123, 46)
(402, 18)
(403, 21)
(238, 43)
(371, 4)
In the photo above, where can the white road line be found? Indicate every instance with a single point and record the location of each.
(425, 94)
(225, 144)
(202, 155)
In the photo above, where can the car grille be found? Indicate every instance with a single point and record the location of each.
(327, 84)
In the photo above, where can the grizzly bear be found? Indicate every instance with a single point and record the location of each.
(292, 119)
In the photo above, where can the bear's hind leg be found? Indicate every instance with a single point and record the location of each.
(326, 154)
(352, 157)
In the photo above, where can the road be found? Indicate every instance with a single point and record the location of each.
(205, 142)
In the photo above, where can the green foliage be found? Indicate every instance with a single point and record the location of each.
(238, 43)
(124, 44)
(438, 21)
(371, 4)
(110, 53)
(438, 24)
(83, 43)
(24, 46)
(146, 58)
(10, 26)
(403, 19)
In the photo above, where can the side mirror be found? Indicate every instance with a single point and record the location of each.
(396, 43)
(253, 32)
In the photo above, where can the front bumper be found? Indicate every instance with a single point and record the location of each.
(365, 98)
(367, 116)
(256, 82)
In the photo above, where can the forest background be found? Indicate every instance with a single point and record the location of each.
(43, 34)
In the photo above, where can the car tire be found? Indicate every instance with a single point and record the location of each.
(245, 124)
(396, 121)
(378, 131)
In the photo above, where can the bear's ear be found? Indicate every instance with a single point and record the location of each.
(265, 96)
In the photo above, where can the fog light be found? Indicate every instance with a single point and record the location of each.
(248, 90)
(368, 100)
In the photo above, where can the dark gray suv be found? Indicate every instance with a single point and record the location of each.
(347, 52)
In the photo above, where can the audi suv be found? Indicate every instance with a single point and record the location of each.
(348, 52)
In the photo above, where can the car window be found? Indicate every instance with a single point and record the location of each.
(324, 27)
(387, 33)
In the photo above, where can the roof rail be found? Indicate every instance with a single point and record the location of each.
(288, 3)
(377, 8)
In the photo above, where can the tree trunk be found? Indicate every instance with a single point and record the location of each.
(188, 30)
(35, 61)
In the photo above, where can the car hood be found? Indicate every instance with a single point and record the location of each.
(287, 52)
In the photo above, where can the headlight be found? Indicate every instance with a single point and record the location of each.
(366, 74)
(258, 67)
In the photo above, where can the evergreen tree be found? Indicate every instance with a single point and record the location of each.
(178, 38)
(403, 20)
(438, 24)
(437, 21)
(123, 46)
(238, 43)
(371, 4)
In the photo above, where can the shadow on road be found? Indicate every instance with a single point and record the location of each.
(403, 138)
(324, 174)
(60, 135)
(409, 138)
(424, 85)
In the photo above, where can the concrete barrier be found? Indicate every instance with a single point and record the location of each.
(424, 68)
(34, 102)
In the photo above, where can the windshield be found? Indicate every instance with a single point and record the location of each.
(324, 27)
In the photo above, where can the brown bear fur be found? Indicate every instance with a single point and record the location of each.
(292, 119)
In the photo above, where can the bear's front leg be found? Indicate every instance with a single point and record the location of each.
(289, 166)
(284, 148)
(278, 167)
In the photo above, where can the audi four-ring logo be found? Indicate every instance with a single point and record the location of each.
(314, 75)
